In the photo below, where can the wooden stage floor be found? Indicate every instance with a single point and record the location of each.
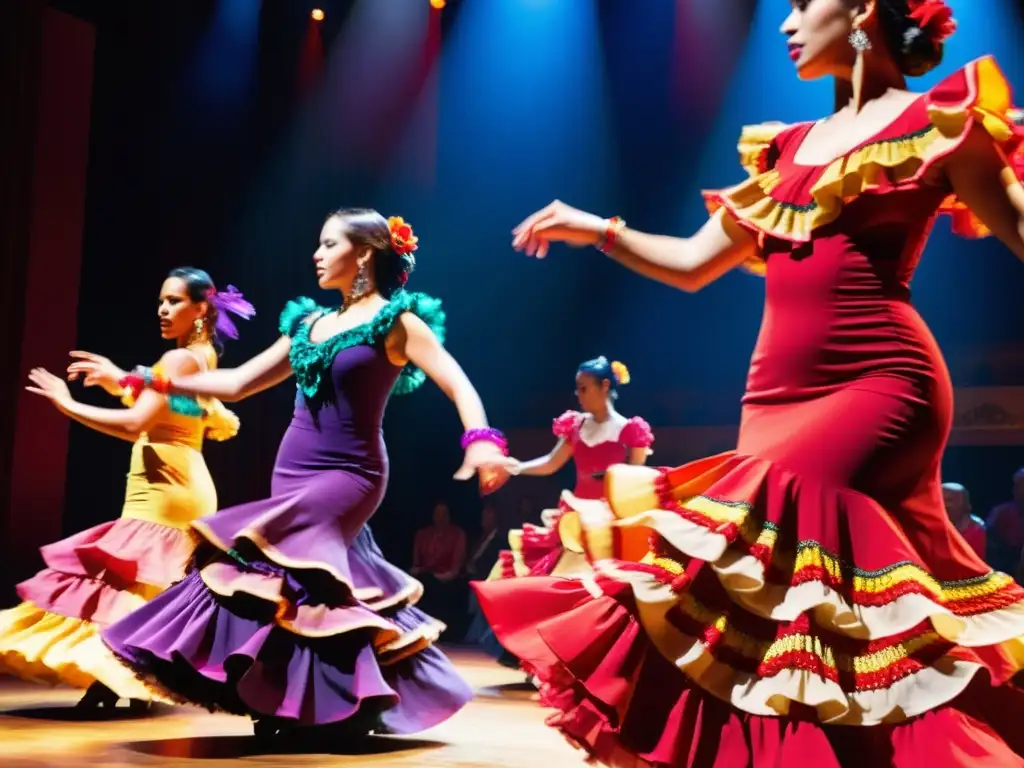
(501, 728)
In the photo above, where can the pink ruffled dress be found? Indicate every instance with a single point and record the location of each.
(557, 547)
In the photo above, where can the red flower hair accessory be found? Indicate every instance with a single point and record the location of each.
(933, 17)
(403, 241)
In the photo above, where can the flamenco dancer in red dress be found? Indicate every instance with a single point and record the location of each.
(803, 599)
(595, 438)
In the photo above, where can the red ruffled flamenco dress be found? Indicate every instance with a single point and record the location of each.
(557, 547)
(802, 599)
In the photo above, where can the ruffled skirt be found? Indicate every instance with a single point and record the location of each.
(740, 612)
(92, 579)
(293, 615)
(555, 548)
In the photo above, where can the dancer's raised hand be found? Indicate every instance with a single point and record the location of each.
(49, 386)
(488, 462)
(95, 371)
(557, 222)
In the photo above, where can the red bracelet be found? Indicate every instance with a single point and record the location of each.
(615, 225)
(134, 383)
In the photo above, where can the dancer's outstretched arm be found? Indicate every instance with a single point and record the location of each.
(96, 371)
(687, 263)
(412, 341)
(545, 465)
(124, 423)
(269, 368)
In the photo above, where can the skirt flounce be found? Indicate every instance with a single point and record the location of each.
(765, 616)
(92, 580)
(246, 634)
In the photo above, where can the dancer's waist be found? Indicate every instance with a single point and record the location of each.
(303, 447)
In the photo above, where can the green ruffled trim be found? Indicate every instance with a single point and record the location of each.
(311, 362)
(429, 310)
(295, 312)
(185, 406)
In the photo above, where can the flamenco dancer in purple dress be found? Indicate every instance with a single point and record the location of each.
(290, 613)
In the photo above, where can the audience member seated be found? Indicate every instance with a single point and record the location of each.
(482, 557)
(486, 546)
(1005, 526)
(439, 552)
(958, 507)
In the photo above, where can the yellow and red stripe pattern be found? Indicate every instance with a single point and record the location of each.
(750, 644)
(813, 562)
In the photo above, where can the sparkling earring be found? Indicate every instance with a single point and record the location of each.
(859, 40)
(361, 284)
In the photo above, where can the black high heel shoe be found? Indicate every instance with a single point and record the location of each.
(269, 728)
(139, 706)
(97, 696)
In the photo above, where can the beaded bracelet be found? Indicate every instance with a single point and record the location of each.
(615, 225)
(153, 380)
(138, 380)
(487, 434)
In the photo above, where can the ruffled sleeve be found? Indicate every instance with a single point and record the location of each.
(567, 426)
(220, 422)
(790, 201)
(295, 313)
(979, 94)
(758, 150)
(429, 310)
(637, 433)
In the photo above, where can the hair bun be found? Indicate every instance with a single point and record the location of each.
(919, 53)
(915, 31)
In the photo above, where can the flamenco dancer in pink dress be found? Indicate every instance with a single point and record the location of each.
(291, 615)
(594, 438)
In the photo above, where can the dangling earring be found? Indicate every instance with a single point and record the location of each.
(361, 284)
(198, 335)
(859, 40)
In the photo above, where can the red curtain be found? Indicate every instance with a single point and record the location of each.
(44, 148)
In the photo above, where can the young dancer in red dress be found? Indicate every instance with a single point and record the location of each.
(594, 439)
(804, 599)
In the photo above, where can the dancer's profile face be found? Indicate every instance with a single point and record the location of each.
(591, 393)
(177, 312)
(818, 34)
(337, 258)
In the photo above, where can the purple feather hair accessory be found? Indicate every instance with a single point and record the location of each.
(230, 301)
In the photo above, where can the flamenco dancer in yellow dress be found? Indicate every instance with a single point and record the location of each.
(98, 576)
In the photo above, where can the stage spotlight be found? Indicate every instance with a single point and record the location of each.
(317, 14)
(437, 5)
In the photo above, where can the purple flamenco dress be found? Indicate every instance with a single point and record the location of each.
(290, 613)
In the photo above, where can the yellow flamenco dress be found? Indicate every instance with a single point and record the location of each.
(100, 575)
